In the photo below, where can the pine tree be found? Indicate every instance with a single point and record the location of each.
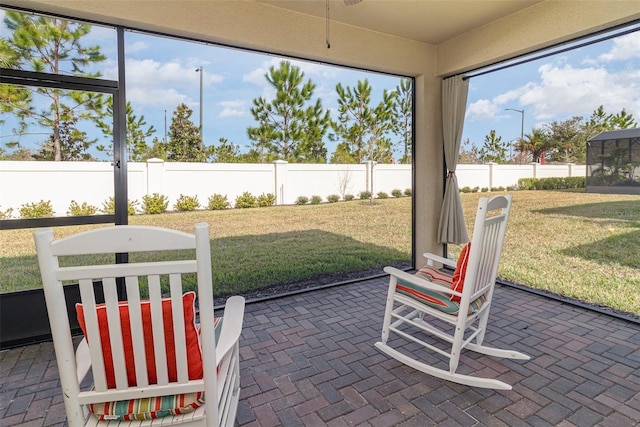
(136, 134)
(494, 150)
(403, 117)
(46, 45)
(289, 127)
(185, 143)
(363, 128)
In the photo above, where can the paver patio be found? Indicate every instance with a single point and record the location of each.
(309, 360)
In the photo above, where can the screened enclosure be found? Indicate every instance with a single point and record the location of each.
(613, 162)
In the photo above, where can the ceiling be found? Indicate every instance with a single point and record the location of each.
(427, 21)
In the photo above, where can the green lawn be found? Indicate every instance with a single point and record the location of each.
(585, 246)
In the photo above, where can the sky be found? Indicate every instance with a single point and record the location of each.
(161, 73)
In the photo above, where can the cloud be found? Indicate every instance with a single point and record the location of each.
(624, 48)
(482, 109)
(150, 82)
(233, 108)
(568, 91)
(136, 47)
(318, 73)
(564, 91)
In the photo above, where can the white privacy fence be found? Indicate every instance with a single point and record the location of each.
(93, 182)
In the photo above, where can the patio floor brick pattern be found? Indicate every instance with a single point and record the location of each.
(309, 360)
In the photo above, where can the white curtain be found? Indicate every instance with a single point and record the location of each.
(454, 101)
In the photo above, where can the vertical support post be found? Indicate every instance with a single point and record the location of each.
(281, 170)
(369, 176)
(492, 171)
(155, 176)
(121, 190)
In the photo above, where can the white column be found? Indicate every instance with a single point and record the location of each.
(492, 171)
(281, 170)
(155, 176)
(534, 169)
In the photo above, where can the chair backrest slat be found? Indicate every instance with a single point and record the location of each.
(157, 327)
(115, 331)
(137, 331)
(182, 367)
(88, 298)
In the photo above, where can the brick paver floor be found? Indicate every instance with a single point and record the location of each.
(309, 360)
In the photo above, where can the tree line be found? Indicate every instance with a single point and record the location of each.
(293, 126)
(558, 141)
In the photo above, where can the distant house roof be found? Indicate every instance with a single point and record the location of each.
(617, 134)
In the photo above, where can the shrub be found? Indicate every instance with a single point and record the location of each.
(408, 192)
(80, 210)
(109, 206)
(246, 200)
(382, 195)
(527, 183)
(218, 202)
(396, 193)
(316, 200)
(332, 198)
(484, 189)
(186, 203)
(575, 181)
(348, 197)
(40, 209)
(302, 200)
(475, 189)
(154, 204)
(265, 200)
(498, 188)
(551, 183)
(6, 214)
(365, 195)
(512, 187)
(465, 189)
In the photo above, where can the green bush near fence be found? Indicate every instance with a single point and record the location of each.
(154, 204)
(556, 183)
(41, 209)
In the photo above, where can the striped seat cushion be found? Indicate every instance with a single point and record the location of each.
(439, 300)
(153, 407)
(148, 408)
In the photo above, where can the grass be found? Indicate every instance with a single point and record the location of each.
(584, 246)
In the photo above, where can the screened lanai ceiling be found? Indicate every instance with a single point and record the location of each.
(427, 21)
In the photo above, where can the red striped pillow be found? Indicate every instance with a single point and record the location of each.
(194, 354)
(460, 272)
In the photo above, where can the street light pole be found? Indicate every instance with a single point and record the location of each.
(201, 71)
(521, 124)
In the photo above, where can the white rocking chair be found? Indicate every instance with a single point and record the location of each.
(432, 302)
(151, 363)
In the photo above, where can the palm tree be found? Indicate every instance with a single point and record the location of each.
(534, 144)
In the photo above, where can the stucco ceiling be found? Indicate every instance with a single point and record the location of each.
(428, 21)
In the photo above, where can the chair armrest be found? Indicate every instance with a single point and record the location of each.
(231, 326)
(442, 260)
(419, 281)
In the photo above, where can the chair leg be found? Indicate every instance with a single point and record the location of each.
(386, 323)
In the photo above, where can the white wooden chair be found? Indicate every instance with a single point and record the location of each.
(430, 302)
(148, 355)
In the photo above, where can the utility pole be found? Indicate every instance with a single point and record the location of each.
(200, 69)
(521, 123)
